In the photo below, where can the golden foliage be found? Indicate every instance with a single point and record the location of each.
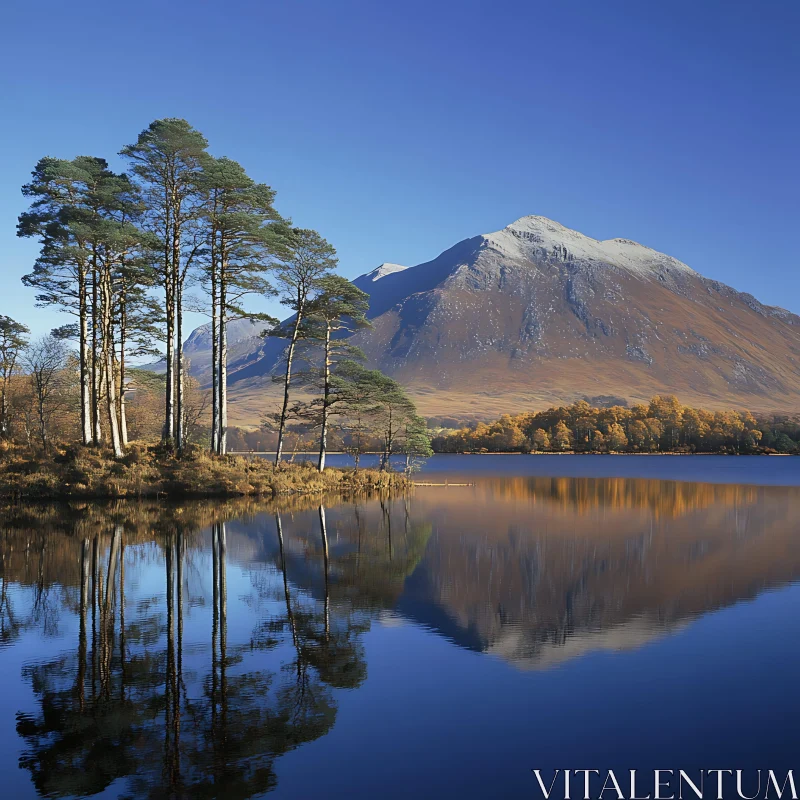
(664, 425)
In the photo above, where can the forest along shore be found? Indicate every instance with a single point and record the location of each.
(150, 472)
(664, 425)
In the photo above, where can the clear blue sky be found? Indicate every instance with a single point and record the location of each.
(399, 128)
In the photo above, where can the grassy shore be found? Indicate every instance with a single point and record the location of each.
(148, 471)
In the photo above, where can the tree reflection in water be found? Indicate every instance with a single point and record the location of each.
(122, 707)
(177, 685)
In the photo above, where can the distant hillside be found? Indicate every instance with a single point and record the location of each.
(538, 314)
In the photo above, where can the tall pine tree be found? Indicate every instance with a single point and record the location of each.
(167, 160)
(243, 234)
(338, 309)
(310, 258)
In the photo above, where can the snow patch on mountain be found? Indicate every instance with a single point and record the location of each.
(381, 272)
(538, 237)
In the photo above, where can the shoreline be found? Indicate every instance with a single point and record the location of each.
(597, 453)
(87, 474)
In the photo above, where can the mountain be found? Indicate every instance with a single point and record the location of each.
(242, 335)
(244, 342)
(537, 314)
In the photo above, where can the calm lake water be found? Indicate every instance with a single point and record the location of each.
(583, 612)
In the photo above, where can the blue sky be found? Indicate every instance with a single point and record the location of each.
(399, 128)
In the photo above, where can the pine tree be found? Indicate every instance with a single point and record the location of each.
(84, 215)
(310, 258)
(60, 207)
(243, 234)
(415, 443)
(357, 391)
(167, 160)
(395, 409)
(339, 308)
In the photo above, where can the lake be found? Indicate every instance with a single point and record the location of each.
(603, 612)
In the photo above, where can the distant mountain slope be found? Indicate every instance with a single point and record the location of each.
(244, 342)
(537, 313)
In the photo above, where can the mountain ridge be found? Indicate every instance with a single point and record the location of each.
(536, 314)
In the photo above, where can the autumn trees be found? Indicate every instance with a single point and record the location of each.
(13, 338)
(662, 425)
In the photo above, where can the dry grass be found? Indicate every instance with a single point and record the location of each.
(148, 471)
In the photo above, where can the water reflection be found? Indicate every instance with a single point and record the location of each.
(542, 570)
(192, 646)
(123, 705)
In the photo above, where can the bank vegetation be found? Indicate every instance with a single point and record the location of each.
(664, 425)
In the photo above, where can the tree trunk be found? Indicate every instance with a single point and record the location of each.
(326, 394)
(388, 442)
(108, 363)
(324, 531)
(8, 370)
(223, 600)
(123, 335)
(179, 544)
(288, 379)
(169, 308)
(112, 564)
(178, 278)
(83, 357)
(97, 430)
(214, 354)
(223, 364)
(286, 595)
(111, 404)
(179, 411)
(4, 410)
(42, 422)
(169, 400)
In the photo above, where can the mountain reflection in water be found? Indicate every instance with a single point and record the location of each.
(180, 651)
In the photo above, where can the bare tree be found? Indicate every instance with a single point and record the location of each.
(45, 360)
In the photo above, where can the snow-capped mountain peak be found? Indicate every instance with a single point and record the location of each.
(534, 235)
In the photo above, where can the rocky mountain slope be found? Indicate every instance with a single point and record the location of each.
(537, 314)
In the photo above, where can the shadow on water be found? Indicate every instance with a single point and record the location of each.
(196, 644)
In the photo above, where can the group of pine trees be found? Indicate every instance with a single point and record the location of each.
(120, 252)
(662, 425)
